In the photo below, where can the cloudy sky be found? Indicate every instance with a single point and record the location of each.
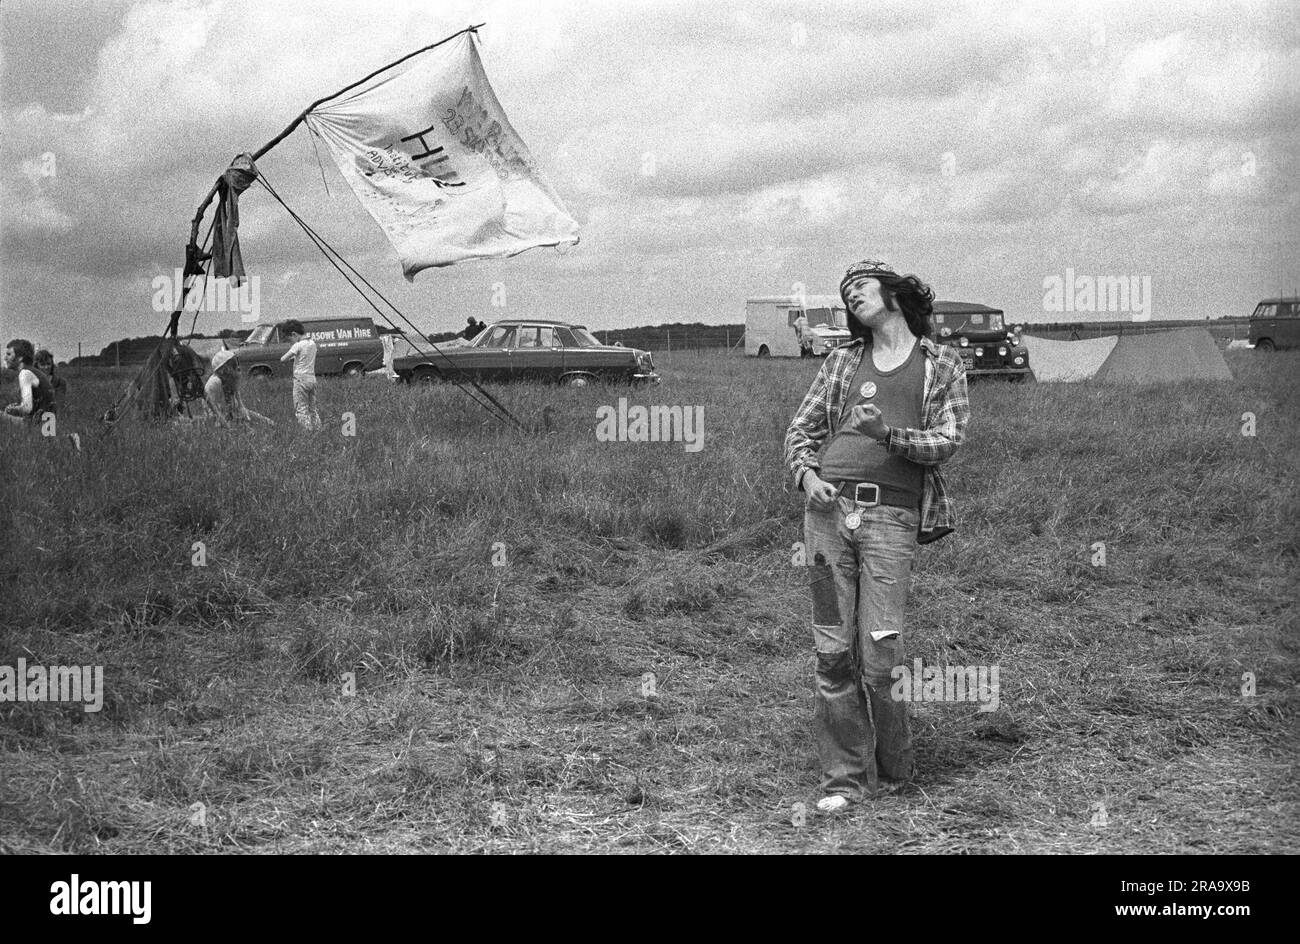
(710, 150)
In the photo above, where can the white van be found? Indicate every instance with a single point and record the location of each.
(770, 325)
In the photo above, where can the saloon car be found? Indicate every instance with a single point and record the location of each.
(980, 336)
(529, 350)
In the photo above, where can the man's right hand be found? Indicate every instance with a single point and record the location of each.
(820, 495)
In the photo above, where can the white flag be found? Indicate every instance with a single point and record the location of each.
(431, 155)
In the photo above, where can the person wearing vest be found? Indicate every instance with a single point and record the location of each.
(35, 391)
(44, 363)
(865, 446)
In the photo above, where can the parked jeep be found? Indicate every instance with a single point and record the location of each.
(980, 336)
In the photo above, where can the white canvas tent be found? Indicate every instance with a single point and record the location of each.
(1158, 357)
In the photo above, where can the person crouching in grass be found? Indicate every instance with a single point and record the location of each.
(221, 393)
(303, 353)
(885, 411)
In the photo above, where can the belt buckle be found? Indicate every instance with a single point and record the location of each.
(859, 500)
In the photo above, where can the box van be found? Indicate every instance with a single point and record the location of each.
(347, 346)
(1275, 324)
(770, 330)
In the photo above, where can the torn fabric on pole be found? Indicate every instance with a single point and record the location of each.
(432, 157)
(226, 258)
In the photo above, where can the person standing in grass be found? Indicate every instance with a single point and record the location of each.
(865, 446)
(35, 391)
(303, 354)
(801, 334)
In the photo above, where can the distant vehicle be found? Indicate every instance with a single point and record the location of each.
(770, 324)
(1275, 324)
(530, 350)
(978, 333)
(347, 346)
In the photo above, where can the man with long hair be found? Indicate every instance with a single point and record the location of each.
(885, 411)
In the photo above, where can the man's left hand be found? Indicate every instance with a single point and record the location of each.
(866, 419)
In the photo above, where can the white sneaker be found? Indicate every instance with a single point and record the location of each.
(832, 804)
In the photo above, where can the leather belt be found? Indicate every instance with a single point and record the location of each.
(867, 494)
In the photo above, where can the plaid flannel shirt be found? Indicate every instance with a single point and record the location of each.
(945, 410)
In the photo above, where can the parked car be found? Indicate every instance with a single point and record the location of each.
(1275, 324)
(980, 336)
(347, 346)
(530, 350)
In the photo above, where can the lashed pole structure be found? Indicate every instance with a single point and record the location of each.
(192, 252)
(195, 257)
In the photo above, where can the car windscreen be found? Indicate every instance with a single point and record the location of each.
(406, 346)
(974, 321)
(260, 335)
(585, 338)
(496, 336)
(820, 316)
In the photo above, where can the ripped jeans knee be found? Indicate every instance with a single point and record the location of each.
(879, 657)
(835, 667)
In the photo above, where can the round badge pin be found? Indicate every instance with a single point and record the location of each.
(868, 390)
(852, 520)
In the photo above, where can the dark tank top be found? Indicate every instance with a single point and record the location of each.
(853, 457)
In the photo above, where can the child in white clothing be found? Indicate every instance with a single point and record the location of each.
(303, 353)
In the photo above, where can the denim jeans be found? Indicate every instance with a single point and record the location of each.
(859, 587)
(304, 402)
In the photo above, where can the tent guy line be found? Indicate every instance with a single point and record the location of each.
(497, 409)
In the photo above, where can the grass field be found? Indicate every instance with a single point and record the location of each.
(501, 708)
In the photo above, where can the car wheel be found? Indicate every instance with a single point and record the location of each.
(576, 380)
(764, 352)
(425, 375)
(262, 374)
(1264, 344)
(353, 371)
